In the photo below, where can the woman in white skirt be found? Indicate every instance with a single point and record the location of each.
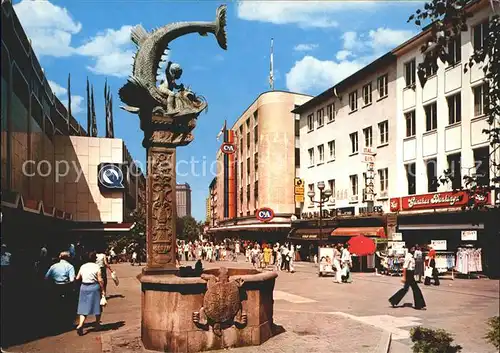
(91, 292)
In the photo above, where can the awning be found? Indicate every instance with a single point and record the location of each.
(102, 227)
(310, 234)
(262, 226)
(355, 231)
(441, 226)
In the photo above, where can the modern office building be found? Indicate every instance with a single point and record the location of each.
(212, 211)
(50, 166)
(183, 197)
(259, 168)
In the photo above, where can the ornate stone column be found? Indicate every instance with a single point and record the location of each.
(161, 139)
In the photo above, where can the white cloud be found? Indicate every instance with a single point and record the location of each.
(343, 54)
(311, 73)
(62, 93)
(49, 27)
(111, 51)
(305, 47)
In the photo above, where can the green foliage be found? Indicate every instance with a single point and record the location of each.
(426, 340)
(187, 228)
(447, 19)
(493, 335)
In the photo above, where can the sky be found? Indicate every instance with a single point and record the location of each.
(316, 45)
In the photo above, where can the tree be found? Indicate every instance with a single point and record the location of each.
(187, 228)
(448, 18)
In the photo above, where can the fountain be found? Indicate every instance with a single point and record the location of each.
(224, 307)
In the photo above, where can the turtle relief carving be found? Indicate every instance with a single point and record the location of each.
(221, 303)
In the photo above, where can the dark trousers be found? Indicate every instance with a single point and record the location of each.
(417, 293)
(435, 274)
(186, 254)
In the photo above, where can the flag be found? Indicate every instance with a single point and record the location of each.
(89, 117)
(69, 101)
(271, 66)
(94, 119)
(222, 130)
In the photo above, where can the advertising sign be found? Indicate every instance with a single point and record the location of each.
(439, 244)
(110, 176)
(264, 214)
(299, 198)
(397, 236)
(469, 235)
(228, 148)
(435, 200)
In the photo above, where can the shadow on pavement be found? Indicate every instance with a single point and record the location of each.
(121, 296)
(108, 327)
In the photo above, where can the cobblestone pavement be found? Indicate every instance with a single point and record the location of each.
(317, 314)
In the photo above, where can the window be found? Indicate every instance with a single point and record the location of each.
(368, 136)
(354, 185)
(455, 50)
(310, 122)
(482, 163)
(256, 134)
(331, 186)
(241, 171)
(297, 127)
(297, 157)
(455, 170)
(410, 123)
(367, 94)
(330, 111)
(382, 86)
(383, 129)
(354, 142)
(430, 117)
(321, 153)
(248, 169)
(383, 177)
(454, 109)
(353, 100)
(431, 169)
(431, 69)
(248, 124)
(480, 33)
(411, 178)
(256, 162)
(248, 140)
(255, 117)
(331, 150)
(320, 117)
(480, 100)
(311, 156)
(256, 194)
(410, 73)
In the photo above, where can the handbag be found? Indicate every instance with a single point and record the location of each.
(428, 272)
(115, 278)
(103, 301)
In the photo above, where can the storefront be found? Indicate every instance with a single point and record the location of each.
(463, 240)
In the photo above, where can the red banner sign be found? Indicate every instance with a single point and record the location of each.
(430, 201)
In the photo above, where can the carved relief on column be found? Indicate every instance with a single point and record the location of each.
(161, 207)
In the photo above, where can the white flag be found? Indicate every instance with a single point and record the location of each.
(221, 131)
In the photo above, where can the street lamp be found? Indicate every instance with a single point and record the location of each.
(324, 195)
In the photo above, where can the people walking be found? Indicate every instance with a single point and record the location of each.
(419, 263)
(346, 263)
(291, 258)
(336, 264)
(433, 270)
(102, 261)
(409, 281)
(91, 292)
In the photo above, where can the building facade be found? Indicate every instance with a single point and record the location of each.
(183, 197)
(262, 168)
(440, 128)
(50, 166)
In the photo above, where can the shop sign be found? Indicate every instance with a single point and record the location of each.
(439, 244)
(299, 198)
(345, 211)
(376, 209)
(329, 213)
(396, 245)
(469, 235)
(397, 236)
(369, 150)
(299, 187)
(309, 236)
(435, 200)
(367, 158)
(264, 214)
(110, 176)
(228, 148)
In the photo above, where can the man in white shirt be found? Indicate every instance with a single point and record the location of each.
(336, 264)
(346, 265)
(409, 281)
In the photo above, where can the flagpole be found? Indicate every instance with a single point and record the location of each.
(271, 68)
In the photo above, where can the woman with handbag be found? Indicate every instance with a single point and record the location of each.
(91, 292)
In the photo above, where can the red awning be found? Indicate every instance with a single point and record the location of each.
(355, 231)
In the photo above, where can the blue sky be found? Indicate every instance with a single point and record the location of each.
(316, 44)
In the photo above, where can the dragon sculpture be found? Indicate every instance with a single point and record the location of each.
(141, 94)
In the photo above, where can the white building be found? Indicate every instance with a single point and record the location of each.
(440, 125)
(337, 126)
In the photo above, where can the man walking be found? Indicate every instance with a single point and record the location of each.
(336, 264)
(409, 281)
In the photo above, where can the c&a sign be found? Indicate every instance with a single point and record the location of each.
(436, 200)
(264, 214)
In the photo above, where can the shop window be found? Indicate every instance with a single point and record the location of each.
(455, 170)
(432, 181)
(411, 178)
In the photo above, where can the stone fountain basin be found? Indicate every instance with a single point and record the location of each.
(168, 303)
